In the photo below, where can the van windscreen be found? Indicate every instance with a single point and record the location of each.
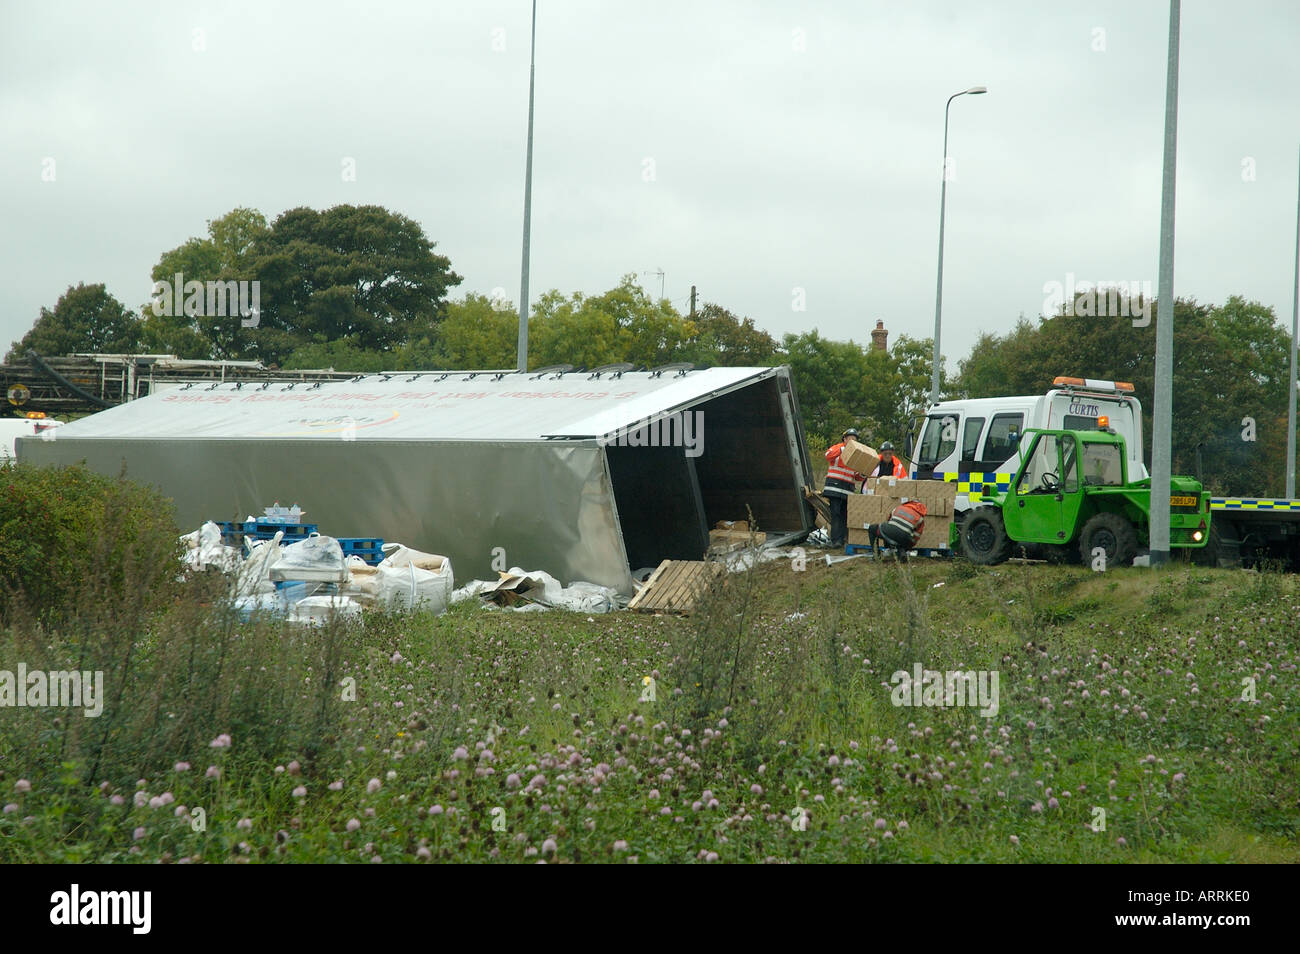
(939, 439)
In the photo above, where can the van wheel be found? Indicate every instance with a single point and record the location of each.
(984, 538)
(1113, 534)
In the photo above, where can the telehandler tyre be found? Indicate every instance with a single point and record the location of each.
(1113, 534)
(984, 538)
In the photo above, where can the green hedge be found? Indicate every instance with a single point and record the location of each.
(66, 532)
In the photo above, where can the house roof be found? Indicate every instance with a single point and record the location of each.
(414, 406)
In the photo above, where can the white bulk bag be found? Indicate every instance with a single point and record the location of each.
(409, 579)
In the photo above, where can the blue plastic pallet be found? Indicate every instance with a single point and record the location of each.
(265, 530)
(370, 549)
(233, 534)
(854, 548)
(360, 543)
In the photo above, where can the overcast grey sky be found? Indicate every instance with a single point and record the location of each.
(793, 145)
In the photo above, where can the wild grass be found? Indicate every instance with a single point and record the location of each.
(1166, 699)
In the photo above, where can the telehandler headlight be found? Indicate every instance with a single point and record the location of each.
(1197, 536)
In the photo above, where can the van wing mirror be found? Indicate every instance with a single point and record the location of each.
(907, 445)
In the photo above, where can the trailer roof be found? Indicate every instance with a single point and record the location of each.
(415, 406)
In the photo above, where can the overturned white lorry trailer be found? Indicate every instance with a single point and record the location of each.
(564, 472)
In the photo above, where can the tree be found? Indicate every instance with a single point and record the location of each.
(723, 339)
(358, 272)
(829, 377)
(897, 387)
(225, 255)
(359, 275)
(85, 319)
(840, 384)
(1230, 381)
(573, 331)
(477, 333)
(623, 324)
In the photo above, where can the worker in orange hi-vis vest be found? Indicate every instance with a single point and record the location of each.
(841, 481)
(901, 531)
(890, 465)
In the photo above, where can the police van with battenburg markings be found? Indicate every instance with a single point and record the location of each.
(976, 442)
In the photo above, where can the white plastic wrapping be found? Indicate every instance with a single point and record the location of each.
(409, 579)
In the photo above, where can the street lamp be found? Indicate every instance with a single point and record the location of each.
(943, 198)
(522, 347)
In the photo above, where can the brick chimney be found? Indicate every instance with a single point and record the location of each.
(880, 337)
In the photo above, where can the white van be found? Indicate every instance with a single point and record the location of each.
(976, 442)
(12, 428)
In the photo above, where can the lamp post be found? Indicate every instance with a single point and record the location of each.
(943, 199)
(1162, 406)
(1295, 320)
(522, 348)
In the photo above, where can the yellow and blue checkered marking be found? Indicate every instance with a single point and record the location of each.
(972, 484)
(1252, 503)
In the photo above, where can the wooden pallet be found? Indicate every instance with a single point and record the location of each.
(676, 586)
(818, 503)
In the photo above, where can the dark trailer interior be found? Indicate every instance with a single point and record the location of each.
(667, 501)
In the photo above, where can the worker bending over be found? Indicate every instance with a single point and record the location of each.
(901, 531)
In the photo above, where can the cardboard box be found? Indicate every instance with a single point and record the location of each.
(724, 541)
(859, 457)
(914, 489)
(865, 509)
(934, 537)
(868, 508)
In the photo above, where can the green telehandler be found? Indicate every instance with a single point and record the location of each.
(1071, 498)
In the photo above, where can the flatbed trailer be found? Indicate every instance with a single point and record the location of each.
(1253, 531)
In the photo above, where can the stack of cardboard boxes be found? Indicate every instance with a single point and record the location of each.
(880, 495)
(729, 535)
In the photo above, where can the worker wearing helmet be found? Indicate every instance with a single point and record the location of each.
(901, 531)
(841, 481)
(890, 465)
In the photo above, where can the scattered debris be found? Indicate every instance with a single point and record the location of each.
(819, 504)
(740, 526)
(312, 579)
(750, 557)
(728, 541)
(534, 590)
(204, 549)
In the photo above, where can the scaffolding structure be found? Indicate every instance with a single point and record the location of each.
(83, 383)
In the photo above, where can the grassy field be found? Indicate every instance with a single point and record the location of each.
(1121, 732)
